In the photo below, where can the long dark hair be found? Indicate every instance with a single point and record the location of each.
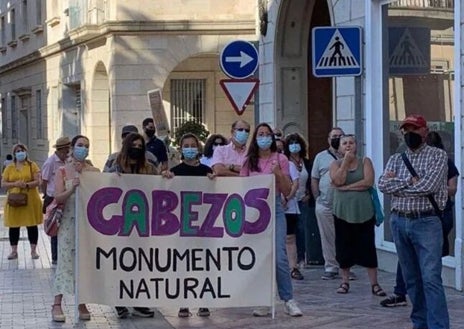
(292, 138)
(253, 151)
(209, 144)
(434, 139)
(123, 160)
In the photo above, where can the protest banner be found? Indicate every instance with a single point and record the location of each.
(159, 114)
(183, 242)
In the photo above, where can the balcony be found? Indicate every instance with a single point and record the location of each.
(81, 13)
(437, 14)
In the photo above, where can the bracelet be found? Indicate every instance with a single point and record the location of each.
(231, 167)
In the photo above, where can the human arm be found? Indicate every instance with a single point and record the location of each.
(295, 176)
(367, 181)
(61, 194)
(280, 169)
(315, 187)
(389, 182)
(452, 186)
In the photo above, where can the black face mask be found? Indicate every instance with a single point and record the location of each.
(135, 153)
(150, 132)
(335, 143)
(412, 140)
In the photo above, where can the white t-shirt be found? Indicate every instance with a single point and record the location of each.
(292, 204)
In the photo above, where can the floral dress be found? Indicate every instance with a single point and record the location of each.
(64, 274)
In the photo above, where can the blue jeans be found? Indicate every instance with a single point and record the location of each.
(400, 288)
(284, 280)
(419, 246)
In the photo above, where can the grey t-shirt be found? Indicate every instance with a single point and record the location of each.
(320, 171)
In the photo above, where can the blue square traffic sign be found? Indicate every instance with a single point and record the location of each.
(336, 51)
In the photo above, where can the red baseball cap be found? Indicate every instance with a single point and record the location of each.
(415, 120)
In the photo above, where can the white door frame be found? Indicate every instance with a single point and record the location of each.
(374, 102)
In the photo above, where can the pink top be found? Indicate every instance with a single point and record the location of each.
(265, 164)
(228, 154)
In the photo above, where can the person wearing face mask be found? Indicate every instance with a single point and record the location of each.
(49, 169)
(155, 145)
(22, 176)
(321, 187)
(263, 159)
(415, 224)
(296, 152)
(126, 130)
(132, 160)
(211, 144)
(66, 182)
(190, 166)
(228, 159)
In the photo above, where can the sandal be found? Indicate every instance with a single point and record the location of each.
(343, 288)
(84, 313)
(12, 255)
(184, 312)
(57, 313)
(378, 291)
(296, 274)
(34, 255)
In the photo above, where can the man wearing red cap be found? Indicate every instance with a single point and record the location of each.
(415, 225)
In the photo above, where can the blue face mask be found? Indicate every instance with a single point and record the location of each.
(80, 152)
(21, 155)
(294, 148)
(189, 153)
(264, 142)
(241, 136)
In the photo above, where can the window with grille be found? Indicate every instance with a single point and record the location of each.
(188, 101)
(38, 113)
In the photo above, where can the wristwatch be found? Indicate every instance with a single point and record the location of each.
(27, 185)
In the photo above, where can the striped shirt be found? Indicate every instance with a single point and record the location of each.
(430, 164)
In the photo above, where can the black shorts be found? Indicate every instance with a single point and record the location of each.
(355, 243)
(292, 220)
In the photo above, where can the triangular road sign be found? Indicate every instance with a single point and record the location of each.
(239, 92)
(337, 54)
(407, 54)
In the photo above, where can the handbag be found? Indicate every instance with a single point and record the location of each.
(53, 216)
(17, 199)
(378, 210)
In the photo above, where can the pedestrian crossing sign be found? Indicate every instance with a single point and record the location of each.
(336, 51)
(409, 50)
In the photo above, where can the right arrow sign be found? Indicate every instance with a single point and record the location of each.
(239, 92)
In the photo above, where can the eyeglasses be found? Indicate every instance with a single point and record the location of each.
(243, 129)
(218, 144)
(278, 135)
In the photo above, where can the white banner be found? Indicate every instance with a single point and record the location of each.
(183, 242)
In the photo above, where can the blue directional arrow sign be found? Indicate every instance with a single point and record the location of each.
(239, 59)
(336, 51)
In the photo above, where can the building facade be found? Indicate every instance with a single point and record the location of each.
(85, 66)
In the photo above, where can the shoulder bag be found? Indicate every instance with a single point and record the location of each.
(18, 199)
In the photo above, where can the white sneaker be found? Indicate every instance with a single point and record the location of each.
(292, 309)
(262, 311)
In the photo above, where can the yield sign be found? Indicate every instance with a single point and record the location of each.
(239, 92)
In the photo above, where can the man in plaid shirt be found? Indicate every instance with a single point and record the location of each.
(416, 228)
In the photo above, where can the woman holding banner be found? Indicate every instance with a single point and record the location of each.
(190, 166)
(66, 182)
(263, 159)
(132, 160)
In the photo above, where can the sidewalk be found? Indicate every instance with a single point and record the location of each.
(26, 299)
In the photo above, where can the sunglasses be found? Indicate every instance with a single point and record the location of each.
(243, 129)
(278, 135)
(218, 144)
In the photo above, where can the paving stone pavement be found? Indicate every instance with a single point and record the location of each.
(26, 299)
